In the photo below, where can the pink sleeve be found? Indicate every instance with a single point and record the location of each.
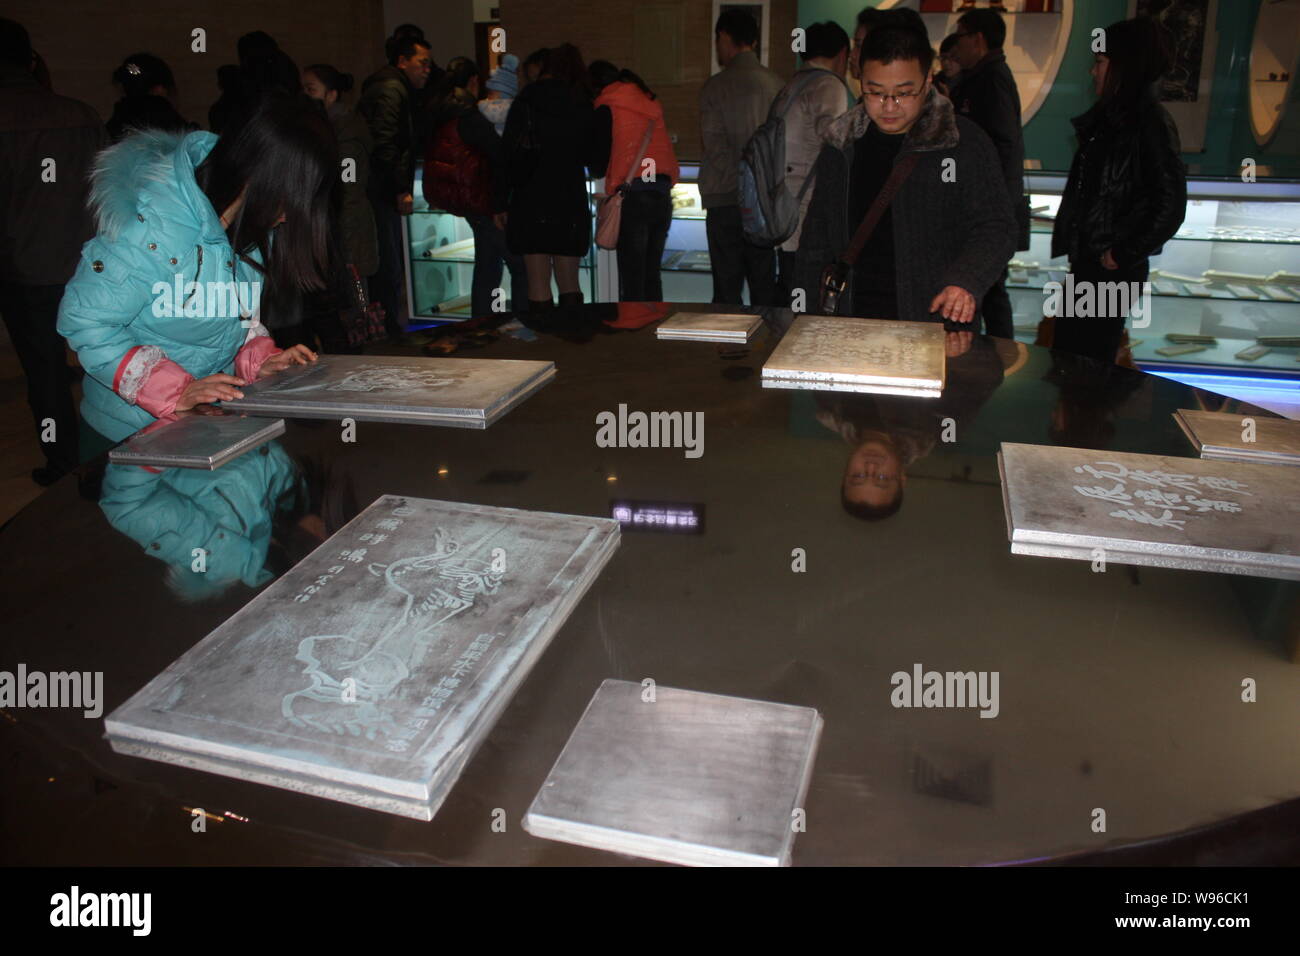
(148, 378)
(254, 352)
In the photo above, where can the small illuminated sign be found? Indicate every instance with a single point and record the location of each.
(678, 517)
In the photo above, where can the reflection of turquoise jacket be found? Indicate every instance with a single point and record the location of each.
(228, 513)
(155, 224)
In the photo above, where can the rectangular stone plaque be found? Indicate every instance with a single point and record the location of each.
(1150, 510)
(880, 356)
(1219, 436)
(460, 392)
(682, 776)
(371, 671)
(709, 327)
(196, 440)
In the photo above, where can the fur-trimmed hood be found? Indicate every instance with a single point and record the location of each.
(936, 128)
(146, 182)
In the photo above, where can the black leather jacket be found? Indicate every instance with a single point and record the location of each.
(386, 106)
(1127, 190)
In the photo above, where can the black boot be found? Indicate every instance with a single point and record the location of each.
(568, 299)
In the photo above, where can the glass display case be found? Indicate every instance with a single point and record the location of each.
(1231, 276)
(440, 261)
(687, 273)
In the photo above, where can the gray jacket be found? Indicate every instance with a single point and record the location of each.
(733, 104)
(960, 232)
(813, 101)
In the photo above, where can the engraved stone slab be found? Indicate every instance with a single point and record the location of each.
(196, 440)
(371, 671)
(691, 778)
(1219, 436)
(464, 393)
(709, 326)
(837, 353)
(1150, 510)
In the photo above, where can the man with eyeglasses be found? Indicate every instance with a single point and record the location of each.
(987, 94)
(949, 231)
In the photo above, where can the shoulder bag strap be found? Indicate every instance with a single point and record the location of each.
(902, 169)
(645, 145)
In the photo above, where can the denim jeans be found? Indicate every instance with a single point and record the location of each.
(491, 258)
(642, 234)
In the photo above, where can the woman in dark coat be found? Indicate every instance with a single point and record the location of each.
(356, 242)
(146, 83)
(549, 142)
(1127, 191)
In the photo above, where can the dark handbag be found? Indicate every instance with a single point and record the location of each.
(363, 321)
(835, 277)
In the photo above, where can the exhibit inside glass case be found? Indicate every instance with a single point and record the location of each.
(1229, 279)
(440, 260)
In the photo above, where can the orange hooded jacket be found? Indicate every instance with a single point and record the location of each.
(631, 109)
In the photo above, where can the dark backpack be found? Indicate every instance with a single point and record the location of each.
(457, 178)
(769, 212)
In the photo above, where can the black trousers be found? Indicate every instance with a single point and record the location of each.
(736, 261)
(31, 314)
(388, 285)
(785, 281)
(996, 309)
(1096, 336)
(642, 234)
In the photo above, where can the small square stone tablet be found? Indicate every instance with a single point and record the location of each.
(691, 778)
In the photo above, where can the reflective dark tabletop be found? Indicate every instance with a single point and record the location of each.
(1119, 691)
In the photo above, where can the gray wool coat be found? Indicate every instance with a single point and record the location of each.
(953, 222)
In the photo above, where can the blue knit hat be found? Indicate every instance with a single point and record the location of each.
(505, 78)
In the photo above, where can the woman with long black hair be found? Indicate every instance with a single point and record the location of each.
(163, 310)
(1127, 191)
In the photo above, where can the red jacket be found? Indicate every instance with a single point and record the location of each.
(631, 109)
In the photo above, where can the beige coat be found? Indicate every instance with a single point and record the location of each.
(733, 104)
(817, 101)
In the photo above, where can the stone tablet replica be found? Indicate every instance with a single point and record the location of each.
(192, 440)
(1144, 509)
(371, 671)
(881, 356)
(464, 393)
(1216, 435)
(709, 327)
(690, 778)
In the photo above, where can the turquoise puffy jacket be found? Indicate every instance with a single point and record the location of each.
(159, 298)
(229, 513)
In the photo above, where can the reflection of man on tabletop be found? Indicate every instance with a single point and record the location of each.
(888, 434)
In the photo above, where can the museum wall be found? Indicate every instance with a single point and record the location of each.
(1048, 136)
(609, 31)
(83, 41)
(450, 30)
